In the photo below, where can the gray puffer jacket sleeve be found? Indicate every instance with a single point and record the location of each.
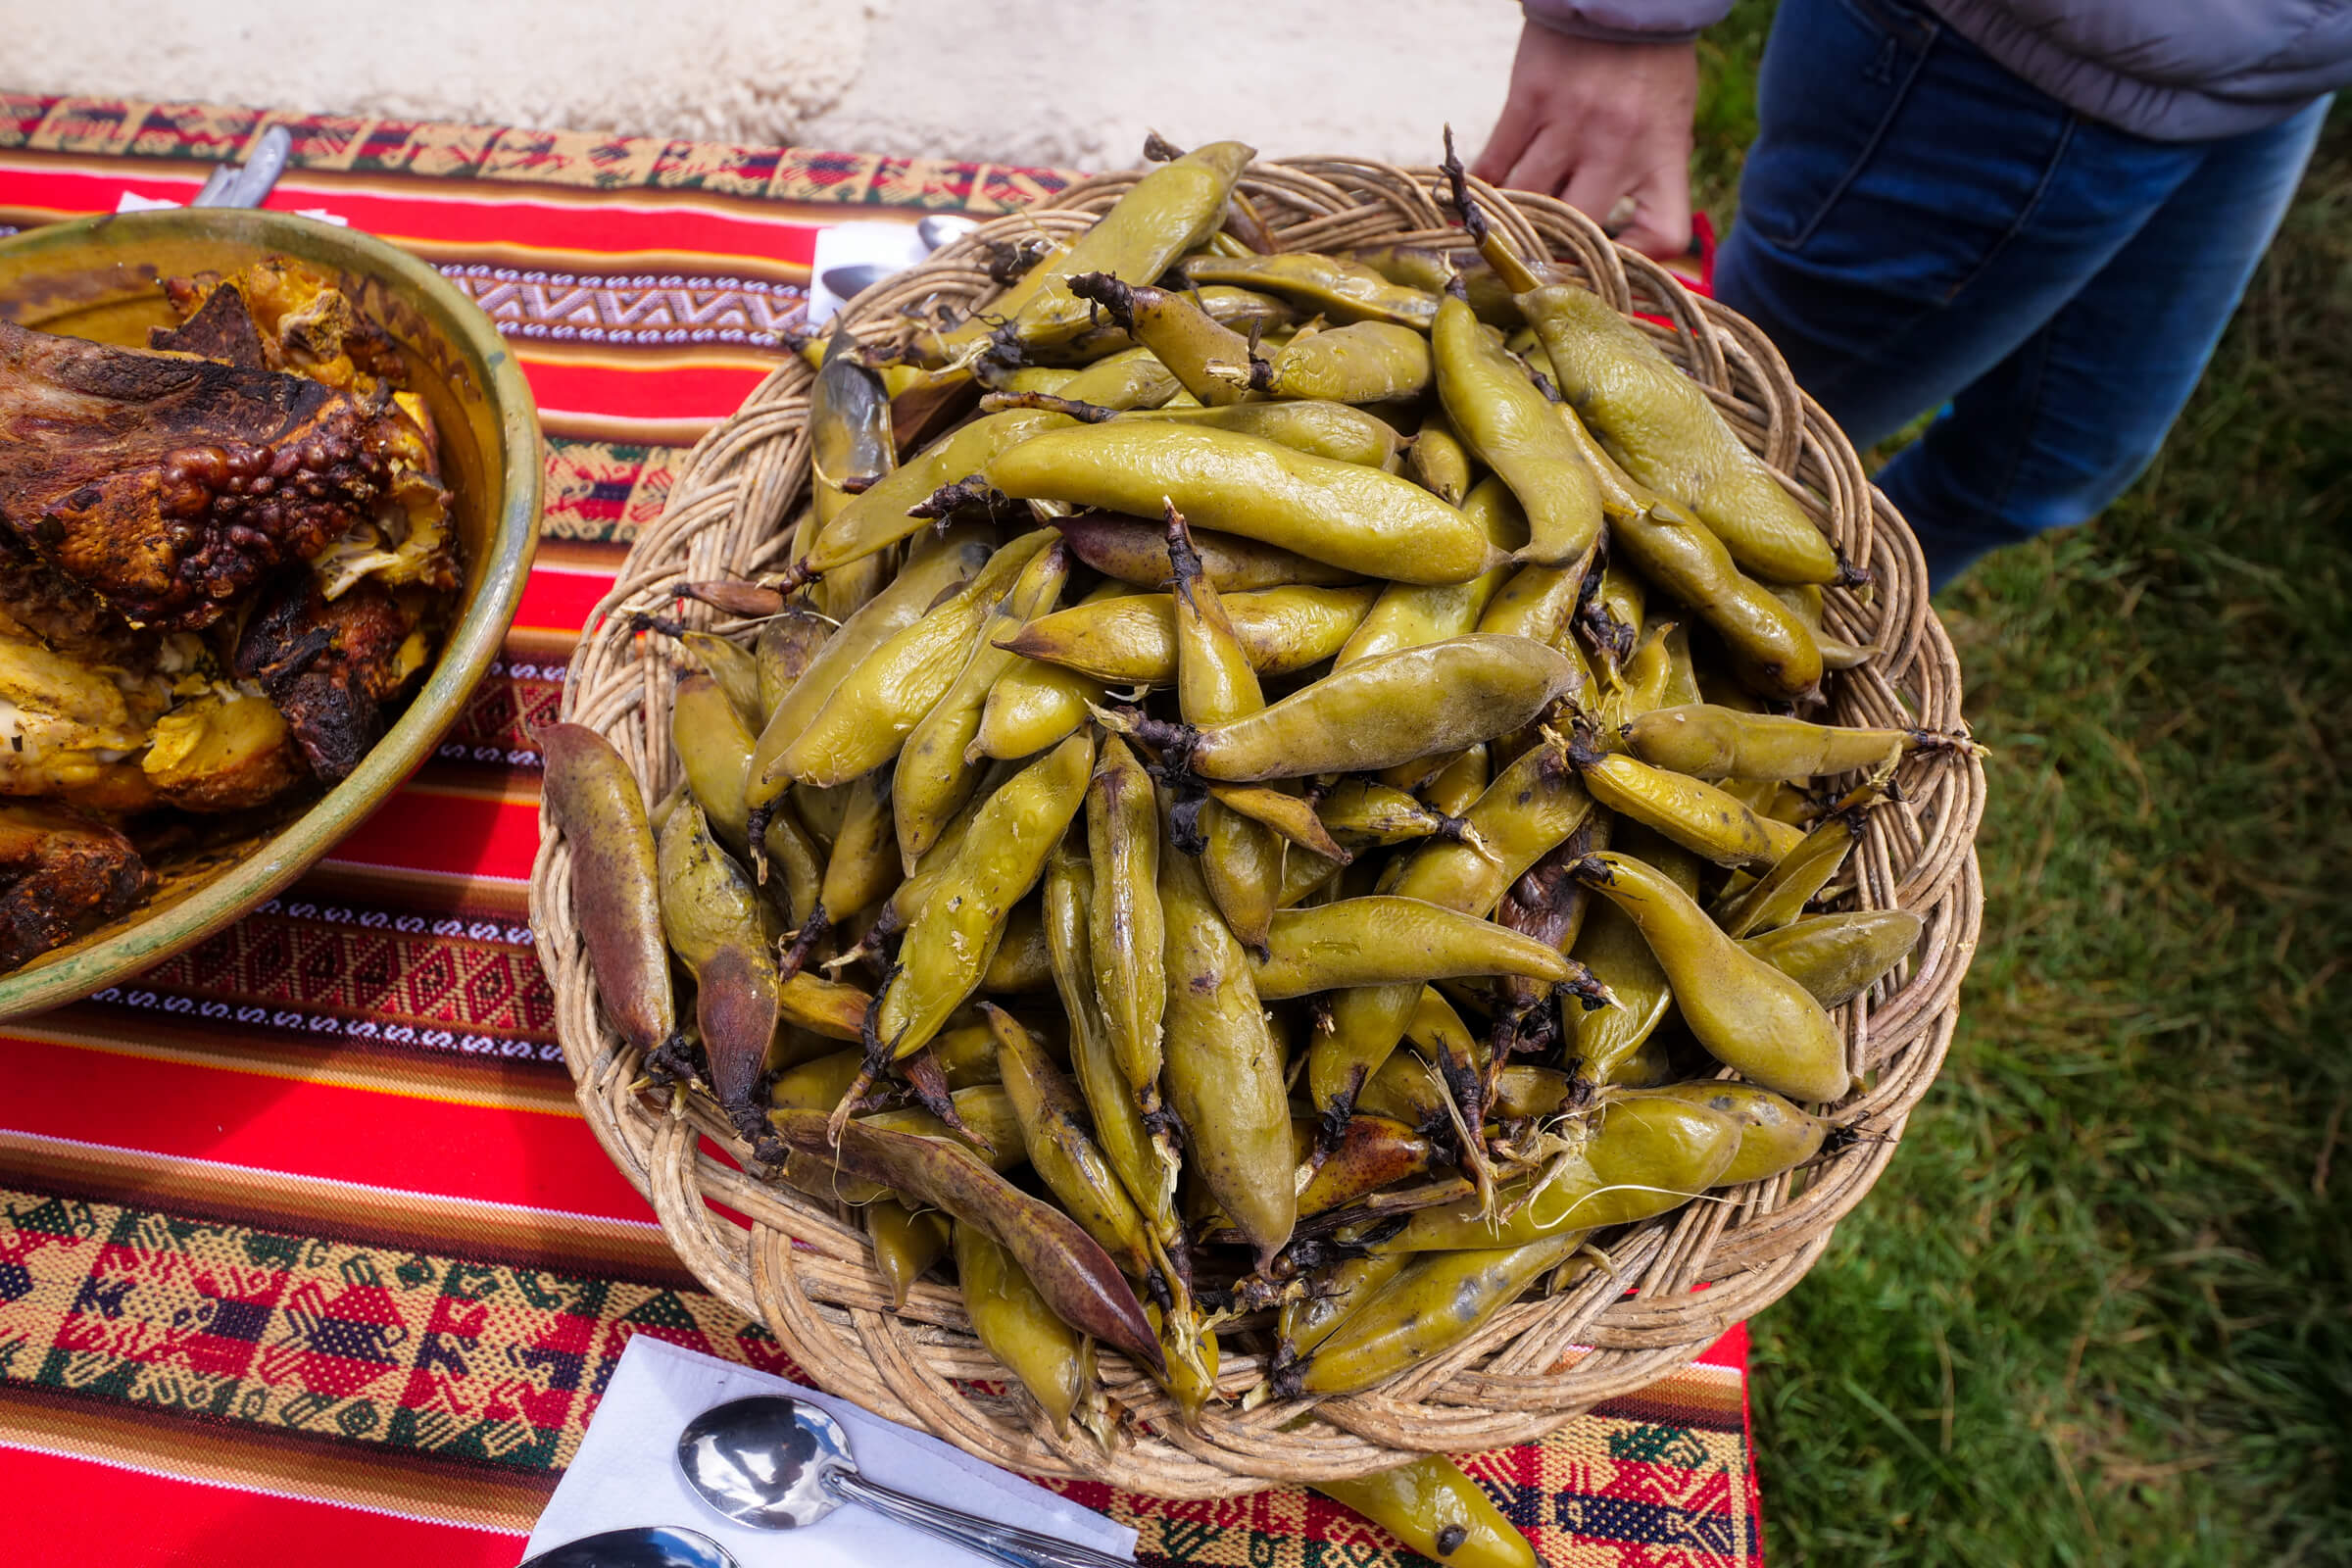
(1628, 21)
(2169, 69)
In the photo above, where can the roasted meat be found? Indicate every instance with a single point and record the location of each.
(221, 328)
(169, 486)
(60, 874)
(331, 666)
(50, 608)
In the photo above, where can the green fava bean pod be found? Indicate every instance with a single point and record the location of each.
(1191, 1347)
(1130, 640)
(1780, 894)
(1770, 644)
(1241, 859)
(1649, 1154)
(1837, 958)
(1061, 1149)
(717, 925)
(1383, 941)
(1053, 1361)
(1437, 460)
(1774, 1135)
(951, 939)
(1340, 288)
(1432, 1306)
(1136, 552)
(593, 799)
(1125, 933)
(1666, 432)
(1364, 361)
(1406, 614)
(1517, 432)
(1337, 1291)
(962, 553)
(1319, 426)
(1708, 742)
(936, 772)
(1147, 1165)
(1749, 1015)
(1342, 514)
(868, 717)
(1699, 817)
(1437, 1511)
(905, 1245)
(1379, 712)
(1224, 1068)
(1169, 210)
(1209, 359)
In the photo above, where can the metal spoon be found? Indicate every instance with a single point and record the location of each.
(646, 1546)
(775, 1463)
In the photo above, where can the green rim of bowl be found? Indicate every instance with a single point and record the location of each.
(473, 643)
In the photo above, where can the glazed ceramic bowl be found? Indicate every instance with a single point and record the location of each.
(98, 278)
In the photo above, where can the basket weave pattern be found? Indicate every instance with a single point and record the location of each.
(1538, 1363)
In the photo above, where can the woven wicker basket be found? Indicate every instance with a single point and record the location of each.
(1539, 1362)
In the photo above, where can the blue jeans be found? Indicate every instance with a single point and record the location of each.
(1919, 227)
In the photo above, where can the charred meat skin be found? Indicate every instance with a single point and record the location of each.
(330, 667)
(221, 328)
(170, 486)
(59, 875)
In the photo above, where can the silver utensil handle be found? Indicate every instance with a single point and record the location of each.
(1005, 1543)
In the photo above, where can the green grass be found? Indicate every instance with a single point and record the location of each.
(2099, 1311)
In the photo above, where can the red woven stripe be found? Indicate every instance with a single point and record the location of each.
(640, 392)
(454, 216)
(451, 835)
(270, 1123)
(214, 1524)
(558, 600)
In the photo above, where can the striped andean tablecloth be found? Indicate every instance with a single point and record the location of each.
(304, 1252)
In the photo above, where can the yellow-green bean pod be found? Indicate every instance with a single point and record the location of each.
(1408, 615)
(594, 799)
(1747, 1014)
(936, 772)
(906, 1243)
(1224, 1069)
(1363, 361)
(1061, 1148)
(1054, 1361)
(1717, 743)
(1697, 815)
(870, 715)
(1131, 640)
(961, 554)
(1437, 460)
(1837, 958)
(1432, 1306)
(1335, 1293)
(1342, 514)
(1649, 1153)
(1774, 1135)
(1382, 939)
(952, 939)
(1517, 432)
(1136, 552)
(1125, 933)
(1342, 289)
(1379, 712)
(1437, 1511)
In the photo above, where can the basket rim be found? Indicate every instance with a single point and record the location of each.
(807, 1275)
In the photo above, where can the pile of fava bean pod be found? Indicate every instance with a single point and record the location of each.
(1272, 825)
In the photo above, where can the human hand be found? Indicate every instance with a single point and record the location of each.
(1598, 123)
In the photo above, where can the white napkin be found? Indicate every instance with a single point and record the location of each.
(627, 1473)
